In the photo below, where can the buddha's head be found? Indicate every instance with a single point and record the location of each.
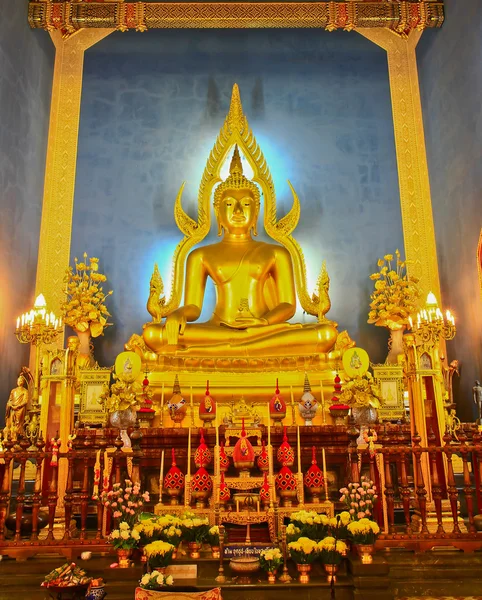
(236, 201)
(21, 381)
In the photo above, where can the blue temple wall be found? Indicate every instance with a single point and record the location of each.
(451, 89)
(319, 105)
(26, 66)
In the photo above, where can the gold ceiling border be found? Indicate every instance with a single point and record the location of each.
(401, 16)
(414, 184)
(59, 182)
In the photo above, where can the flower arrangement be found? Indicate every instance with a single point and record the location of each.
(195, 529)
(159, 554)
(338, 527)
(148, 531)
(212, 536)
(155, 580)
(331, 551)
(311, 524)
(270, 559)
(363, 531)
(395, 296)
(361, 391)
(359, 498)
(84, 305)
(120, 395)
(304, 551)
(293, 533)
(126, 503)
(124, 538)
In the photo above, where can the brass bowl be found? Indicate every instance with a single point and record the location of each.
(244, 567)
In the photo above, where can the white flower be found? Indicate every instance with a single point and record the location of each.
(124, 526)
(124, 535)
(135, 534)
(145, 579)
(155, 574)
(115, 534)
(169, 580)
(160, 579)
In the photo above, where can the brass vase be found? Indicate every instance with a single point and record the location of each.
(304, 571)
(123, 558)
(271, 576)
(215, 551)
(174, 494)
(331, 571)
(194, 548)
(287, 497)
(365, 552)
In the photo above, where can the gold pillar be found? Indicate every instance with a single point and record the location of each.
(415, 200)
(59, 184)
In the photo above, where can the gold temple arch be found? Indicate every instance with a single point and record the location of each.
(237, 132)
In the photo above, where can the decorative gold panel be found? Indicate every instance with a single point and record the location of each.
(58, 200)
(415, 200)
(356, 14)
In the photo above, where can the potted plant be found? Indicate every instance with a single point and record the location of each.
(270, 561)
(124, 539)
(125, 502)
(364, 397)
(159, 555)
(213, 540)
(359, 498)
(364, 534)
(293, 533)
(194, 531)
(338, 526)
(311, 524)
(303, 552)
(331, 552)
(155, 581)
(394, 299)
(84, 306)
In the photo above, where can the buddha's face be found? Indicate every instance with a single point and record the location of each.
(237, 211)
(20, 381)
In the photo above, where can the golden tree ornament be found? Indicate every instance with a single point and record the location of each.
(396, 294)
(84, 306)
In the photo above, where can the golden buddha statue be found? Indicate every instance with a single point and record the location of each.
(16, 409)
(255, 289)
(256, 283)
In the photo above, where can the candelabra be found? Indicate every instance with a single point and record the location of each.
(37, 327)
(432, 324)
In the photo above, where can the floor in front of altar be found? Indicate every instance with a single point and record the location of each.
(428, 576)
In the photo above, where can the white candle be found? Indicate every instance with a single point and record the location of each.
(299, 448)
(325, 478)
(47, 318)
(18, 322)
(269, 429)
(323, 417)
(411, 322)
(189, 453)
(192, 409)
(161, 477)
(292, 406)
(23, 320)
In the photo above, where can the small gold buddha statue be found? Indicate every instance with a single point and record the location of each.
(255, 290)
(16, 409)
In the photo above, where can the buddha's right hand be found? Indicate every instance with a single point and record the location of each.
(175, 325)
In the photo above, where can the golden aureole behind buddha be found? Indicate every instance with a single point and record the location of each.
(256, 282)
